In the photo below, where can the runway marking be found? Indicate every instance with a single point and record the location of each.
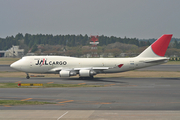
(66, 101)
(50, 82)
(62, 115)
(26, 99)
(18, 82)
(112, 84)
(81, 83)
(7, 106)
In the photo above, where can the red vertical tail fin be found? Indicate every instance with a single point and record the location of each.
(158, 48)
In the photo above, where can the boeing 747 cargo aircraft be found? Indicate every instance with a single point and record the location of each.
(88, 67)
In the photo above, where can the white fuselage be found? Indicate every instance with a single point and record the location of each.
(51, 64)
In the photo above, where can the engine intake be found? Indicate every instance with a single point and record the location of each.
(65, 73)
(86, 73)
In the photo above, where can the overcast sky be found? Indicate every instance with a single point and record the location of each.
(120, 18)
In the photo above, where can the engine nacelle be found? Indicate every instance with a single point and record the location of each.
(86, 73)
(65, 73)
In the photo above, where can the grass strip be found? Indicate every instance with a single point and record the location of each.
(15, 85)
(172, 63)
(8, 85)
(18, 102)
(7, 61)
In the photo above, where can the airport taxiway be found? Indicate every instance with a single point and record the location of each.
(119, 98)
(88, 115)
(117, 94)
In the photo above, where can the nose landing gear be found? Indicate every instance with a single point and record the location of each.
(27, 77)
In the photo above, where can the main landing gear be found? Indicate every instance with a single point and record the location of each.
(27, 77)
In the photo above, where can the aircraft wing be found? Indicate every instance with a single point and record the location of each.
(57, 69)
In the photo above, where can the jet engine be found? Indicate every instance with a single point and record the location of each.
(86, 73)
(66, 73)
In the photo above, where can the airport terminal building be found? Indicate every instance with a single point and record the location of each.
(14, 51)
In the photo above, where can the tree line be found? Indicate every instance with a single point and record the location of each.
(176, 44)
(67, 40)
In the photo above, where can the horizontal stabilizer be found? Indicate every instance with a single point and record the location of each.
(155, 61)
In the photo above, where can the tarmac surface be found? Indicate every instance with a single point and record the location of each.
(116, 94)
(6, 68)
(118, 98)
(88, 115)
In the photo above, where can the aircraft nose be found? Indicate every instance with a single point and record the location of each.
(12, 65)
(15, 65)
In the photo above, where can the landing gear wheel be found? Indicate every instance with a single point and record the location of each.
(92, 77)
(27, 77)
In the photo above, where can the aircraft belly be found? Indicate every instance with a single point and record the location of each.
(36, 69)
